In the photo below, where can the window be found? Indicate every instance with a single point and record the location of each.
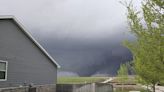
(3, 70)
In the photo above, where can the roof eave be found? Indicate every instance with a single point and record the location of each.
(30, 36)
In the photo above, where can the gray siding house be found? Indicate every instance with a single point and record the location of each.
(22, 59)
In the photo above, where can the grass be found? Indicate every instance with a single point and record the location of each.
(128, 80)
(79, 80)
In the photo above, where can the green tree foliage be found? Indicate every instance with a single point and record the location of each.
(123, 71)
(148, 49)
(130, 67)
(141, 81)
(122, 74)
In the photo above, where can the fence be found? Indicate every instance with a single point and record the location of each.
(103, 87)
(94, 87)
(41, 88)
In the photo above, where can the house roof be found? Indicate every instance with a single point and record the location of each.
(30, 37)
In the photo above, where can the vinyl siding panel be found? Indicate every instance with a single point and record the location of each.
(26, 62)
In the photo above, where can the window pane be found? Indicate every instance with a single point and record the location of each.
(2, 75)
(2, 66)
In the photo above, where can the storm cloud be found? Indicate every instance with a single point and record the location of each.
(84, 36)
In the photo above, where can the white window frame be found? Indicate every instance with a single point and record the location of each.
(5, 70)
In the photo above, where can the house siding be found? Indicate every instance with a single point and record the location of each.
(26, 62)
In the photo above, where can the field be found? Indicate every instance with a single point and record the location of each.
(80, 80)
(128, 80)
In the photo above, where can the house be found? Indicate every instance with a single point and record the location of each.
(22, 59)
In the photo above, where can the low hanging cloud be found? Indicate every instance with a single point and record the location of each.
(79, 34)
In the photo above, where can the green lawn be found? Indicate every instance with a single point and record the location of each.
(79, 80)
(128, 80)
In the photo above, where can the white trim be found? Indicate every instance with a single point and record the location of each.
(30, 36)
(6, 16)
(5, 70)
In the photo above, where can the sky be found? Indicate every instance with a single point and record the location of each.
(84, 36)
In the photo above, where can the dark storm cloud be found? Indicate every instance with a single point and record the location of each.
(89, 57)
(84, 36)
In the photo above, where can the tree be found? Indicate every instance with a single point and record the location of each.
(122, 73)
(148, 49)
(143, 82)
(130, 67)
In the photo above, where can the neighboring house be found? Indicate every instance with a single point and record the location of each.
(22, 59)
